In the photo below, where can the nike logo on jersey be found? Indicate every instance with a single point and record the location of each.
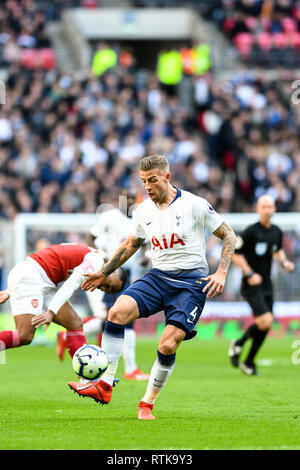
(148, 223)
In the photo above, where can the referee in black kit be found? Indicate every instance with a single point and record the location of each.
(255, 249)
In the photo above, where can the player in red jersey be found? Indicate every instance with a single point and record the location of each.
(37, 296)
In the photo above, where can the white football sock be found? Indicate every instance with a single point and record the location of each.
(113, 346)
(158, 377)
(129, 350)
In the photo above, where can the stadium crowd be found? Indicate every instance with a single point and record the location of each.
(264, 31)
(69, 144)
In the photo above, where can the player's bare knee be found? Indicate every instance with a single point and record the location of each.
(265, 322)
(169, 346)
(116, 315)
(170, 343)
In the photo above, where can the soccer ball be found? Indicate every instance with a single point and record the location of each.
(90, 362)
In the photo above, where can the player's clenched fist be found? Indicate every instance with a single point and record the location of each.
(93, 281)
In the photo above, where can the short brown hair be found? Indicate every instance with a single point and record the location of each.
(154, 161)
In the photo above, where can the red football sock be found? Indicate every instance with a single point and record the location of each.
(11, 339)
(74, 340)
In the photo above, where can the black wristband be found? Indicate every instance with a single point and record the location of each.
(249, 274)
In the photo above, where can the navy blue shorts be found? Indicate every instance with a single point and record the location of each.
(180, 296)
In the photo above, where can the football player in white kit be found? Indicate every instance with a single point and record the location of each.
(174, 221)
(111, 229)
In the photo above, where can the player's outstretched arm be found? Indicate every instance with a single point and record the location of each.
(281, 257)
(216, 281)
(127, 249)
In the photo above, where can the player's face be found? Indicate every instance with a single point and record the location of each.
(112, 284)
(155, 183)
(265, 208)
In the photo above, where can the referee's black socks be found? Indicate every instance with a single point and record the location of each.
(250, 333)
(258, 340)
(257, 336)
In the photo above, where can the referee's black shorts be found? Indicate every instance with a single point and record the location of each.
(260, 298)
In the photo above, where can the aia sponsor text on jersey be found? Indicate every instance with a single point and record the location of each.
(164, 243)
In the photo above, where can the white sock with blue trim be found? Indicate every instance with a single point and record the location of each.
(112, 344)
(160, 372)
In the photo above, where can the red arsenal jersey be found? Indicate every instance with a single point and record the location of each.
(59, 260)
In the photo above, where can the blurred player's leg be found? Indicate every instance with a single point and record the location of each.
(10, 338)
(99, 311)
(94, 326)
(95, 300)
(68, 318)
(61, 345)
(129, 349)
(22, 335)
(161, 370)
(132, 372)
(263, 324)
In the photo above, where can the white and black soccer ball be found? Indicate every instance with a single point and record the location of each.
(90, 362)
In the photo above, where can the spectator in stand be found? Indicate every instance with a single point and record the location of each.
(104, 58)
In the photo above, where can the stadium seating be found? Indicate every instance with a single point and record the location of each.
(34, 58)
(275, 29)
(244, 42)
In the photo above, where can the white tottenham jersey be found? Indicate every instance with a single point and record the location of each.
(177, 234)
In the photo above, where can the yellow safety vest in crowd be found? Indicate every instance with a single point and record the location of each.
(203, 59)
(104, 60)
(169, 68)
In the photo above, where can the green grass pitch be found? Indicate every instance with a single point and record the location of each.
(206, 404)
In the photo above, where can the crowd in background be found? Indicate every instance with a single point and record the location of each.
(22, 25)
(265, 32)
(252, 133)
(68, 145)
